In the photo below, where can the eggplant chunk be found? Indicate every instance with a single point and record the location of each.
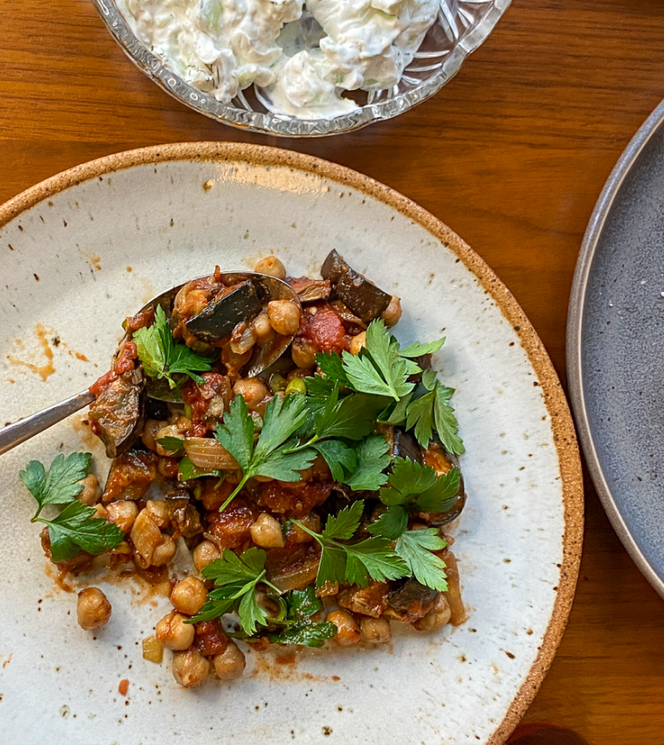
(411, 601)
(362, 296)
(439, 519)
(184, 516)
(310, 290)
(130, 476)
(368, 601)
(405, 446)
(117, 414)
(221, 316)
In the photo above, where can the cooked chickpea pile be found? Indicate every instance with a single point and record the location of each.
(182, 515)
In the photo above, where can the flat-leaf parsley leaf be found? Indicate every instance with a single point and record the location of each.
(162, 357)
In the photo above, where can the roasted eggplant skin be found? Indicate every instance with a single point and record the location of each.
(118, 413)
(409, 600)
(218, 319)
(365, 299)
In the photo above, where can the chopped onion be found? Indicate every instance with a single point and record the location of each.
(152, 650)
(453, 594)
(243, 338)
(208, 454)
(297, 578)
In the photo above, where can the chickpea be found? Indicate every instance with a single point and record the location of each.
(252, 390)
(205, 553)
(271, 265)
(170, 430)
(92, 609)
(392, 313)
(262, 328)
(348, 632)
(189, 596)
(284, 316)
(174, 633)
(358, 342)
(164, 552)
(122, 513)
(231, 663)
(145, 536)
(168, 467)
(159, 513)
(266, 532)
(149, 434)
(438, 616)
(303, 353)
(90, 494)
(190, 668)
(375, 630)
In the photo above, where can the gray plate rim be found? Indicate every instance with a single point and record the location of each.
(575, 318)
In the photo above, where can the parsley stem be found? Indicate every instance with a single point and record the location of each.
(307, 530)
(234, 493)
(301, 446)
(269, 584)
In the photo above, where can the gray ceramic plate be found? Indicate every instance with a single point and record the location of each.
(171, 212)
(615, 347)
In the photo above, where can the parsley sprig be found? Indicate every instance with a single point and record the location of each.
(354, 563)
(270, 456)
(413, 486)
(76, 527)
(384, 370)
(297, 626)
(162, 357)
(379, 368)
(235, 580)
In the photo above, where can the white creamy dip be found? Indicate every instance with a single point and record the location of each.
(223, 46)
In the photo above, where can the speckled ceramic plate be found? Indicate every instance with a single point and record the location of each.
(615, 343)
(86, 248)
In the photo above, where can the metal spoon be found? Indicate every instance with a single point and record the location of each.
(264, 355)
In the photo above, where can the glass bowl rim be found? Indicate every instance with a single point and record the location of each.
(283, 126)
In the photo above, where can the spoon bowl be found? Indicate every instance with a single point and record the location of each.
(264, 355)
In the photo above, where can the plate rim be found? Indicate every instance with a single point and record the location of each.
(562, 425)
(575, 320)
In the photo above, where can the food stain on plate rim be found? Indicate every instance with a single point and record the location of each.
(554, 399)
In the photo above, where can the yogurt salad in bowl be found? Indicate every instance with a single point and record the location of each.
(302, 55)
(300, 67)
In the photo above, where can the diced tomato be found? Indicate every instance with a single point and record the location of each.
(144, 318)
(296, 499)
(122, 364)
(100, 385)
(232, 525)
(125, 361)
(324, 328)
(199, 397)
(210, 637)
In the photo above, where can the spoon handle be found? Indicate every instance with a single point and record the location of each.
(24, 429)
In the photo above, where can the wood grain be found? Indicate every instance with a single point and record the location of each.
(512, 155)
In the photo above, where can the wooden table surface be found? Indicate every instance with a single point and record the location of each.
(512, 154)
